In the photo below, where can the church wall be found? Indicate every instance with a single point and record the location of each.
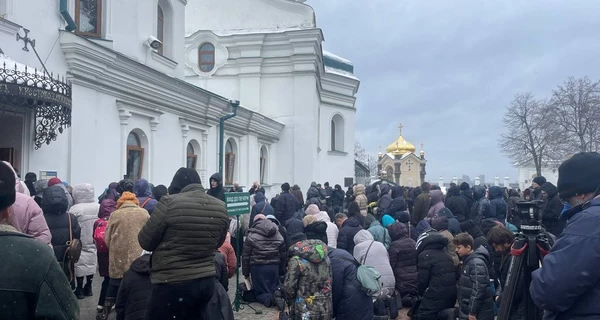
(246, 15)
(334, 166)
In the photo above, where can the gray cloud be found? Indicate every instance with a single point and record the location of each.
(447, 69)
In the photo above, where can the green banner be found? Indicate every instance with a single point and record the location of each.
(237, 203)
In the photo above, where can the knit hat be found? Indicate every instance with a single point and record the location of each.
(387, 220)
(579, 175)
(539, 180)
(285, 187)
(183, 177)
(53, 182)
(127, 197)
(8, 193)
(308, 220)
(312, 210)
(464, 186)
(297, 237)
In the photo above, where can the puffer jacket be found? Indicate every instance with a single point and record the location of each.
(350, 302)
(54, 205)
(456, 204)
(468, 196)
(372, 253)
(474, 292)
(313, 192)
(107, 207)
(479, 240)
(85, 210)
(437, 275)
(481, 207)
(403, 260)
(386, 198)
(308, 281)
(337, 197)
(349, 229)
(263, 245)
(441, 225)
(552, 210)
(398, 202)
(380, 234)
(287, 205)
(135, 291)
(28, 217)
(261, 206)
(217, 192)
(332, 229)
(142, 191)
(294, 225)
(498, 206)
(184, 232)
(220, 307)
(361, 199)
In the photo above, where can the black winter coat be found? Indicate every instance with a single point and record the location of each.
(437, 275)
(349, 300)
(552, 210)
(337, 198)
(135, 290)
(217, 192)
(294, 225)
(287, 205)
(54, 206)
(316, 231)
(403, 259)
(479, 240)
(459, 207)
(468, 196)
(263, 245)
(481, 207)
(312, 193)
(474, 292)
(346, 235)
(219, 307)
(498, 206)
(261, 206)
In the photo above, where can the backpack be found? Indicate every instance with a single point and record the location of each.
(368, 277)
(99, 235)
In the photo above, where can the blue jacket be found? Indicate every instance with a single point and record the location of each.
(143, 191)
(498, 206)
(349, 301)
(568, 284)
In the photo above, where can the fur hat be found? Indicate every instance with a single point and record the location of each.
(579, 175)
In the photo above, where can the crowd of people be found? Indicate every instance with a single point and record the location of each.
(364, 253)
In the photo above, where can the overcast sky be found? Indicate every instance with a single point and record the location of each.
(447, 69)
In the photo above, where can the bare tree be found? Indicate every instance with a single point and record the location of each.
(530, 134)
(576, 106)
(366, 159)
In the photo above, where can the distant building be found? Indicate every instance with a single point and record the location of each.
(401, 165)
(526, 172)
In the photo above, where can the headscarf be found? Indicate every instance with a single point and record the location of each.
(127, 197)
(437, 203)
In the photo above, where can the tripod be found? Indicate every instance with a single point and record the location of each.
(527, 252)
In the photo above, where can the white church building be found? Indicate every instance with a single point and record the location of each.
(146, 82)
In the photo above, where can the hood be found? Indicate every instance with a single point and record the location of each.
(107, 207)
(351, 222)
(385, 189)
(259, 197)
(453, 192)
(436, 197)
(496, 192)
(265, 228)
(141, 265)
(550, 189)
(313, 184)
(397, 231)
(467, 193)
(478, 192)
(338, 187)
(40, 186)
(219, 178)
(323, 216)
(362, 236)
(481, 253)
(55, 200)
(445, 213)
(416, 192)
(314, 251)
(83, 193)
(141, 188)
(317, 227)
(431, 240)
(397, 191)
(439, 223)
(274, 220)
(514, 193)
(359, 189)
(18, 186)
(353, 209)
(296, 187)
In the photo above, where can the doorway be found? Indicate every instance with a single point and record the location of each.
(11, 139)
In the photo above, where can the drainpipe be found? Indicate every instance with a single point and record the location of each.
(234, 104)
(64, 12)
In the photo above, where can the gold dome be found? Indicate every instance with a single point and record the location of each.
(400, 146)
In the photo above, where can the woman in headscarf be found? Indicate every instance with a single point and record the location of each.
(436, 204)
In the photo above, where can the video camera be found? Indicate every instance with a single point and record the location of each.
(529, 213)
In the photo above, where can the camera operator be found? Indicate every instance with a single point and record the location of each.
(568, 284)
(536, 187)
(552, 209)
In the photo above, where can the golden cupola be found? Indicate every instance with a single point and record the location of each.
(400, 147)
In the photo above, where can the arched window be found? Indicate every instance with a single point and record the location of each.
(263, 164)
(135, 156)
(191, 156)
(229, 161)
(160, 27)
(88, 17)
(206, 57)
(390, 173)
(337, 133)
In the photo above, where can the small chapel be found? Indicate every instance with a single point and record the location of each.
(400, 165)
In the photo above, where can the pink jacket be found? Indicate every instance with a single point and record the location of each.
(28, 218)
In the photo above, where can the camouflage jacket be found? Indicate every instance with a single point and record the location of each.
(307, 283)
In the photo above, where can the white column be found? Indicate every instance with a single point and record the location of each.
(204, 156)
(184, 131)
(506, 182)
(497, 181)
(238, 163)
(477, 181)
(441, 182)
(455, 180)
(153, 126)
(124, 115)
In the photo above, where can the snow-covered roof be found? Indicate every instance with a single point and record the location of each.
(336, 62)
(340, 72)
(336, 57)
(230, 32)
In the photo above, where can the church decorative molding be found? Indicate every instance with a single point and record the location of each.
(295, 6)
(9, 27)
(139, 109)
(192, 45)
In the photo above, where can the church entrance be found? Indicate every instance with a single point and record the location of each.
(11, 138)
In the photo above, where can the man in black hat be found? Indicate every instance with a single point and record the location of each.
(536, 186)
(568, 284)
(286, 204)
